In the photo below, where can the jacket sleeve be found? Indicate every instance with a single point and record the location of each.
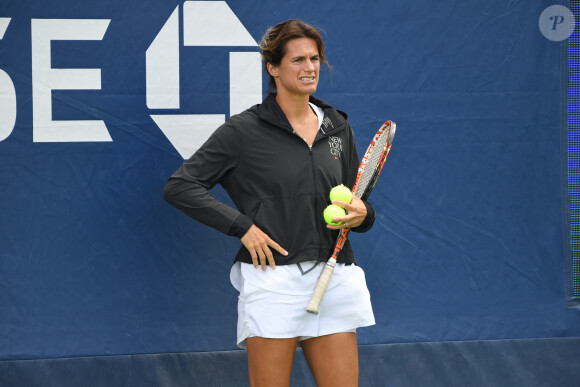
(353, 171)
(188, 188)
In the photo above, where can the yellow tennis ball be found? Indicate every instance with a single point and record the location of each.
(342, 193)
(331, 212)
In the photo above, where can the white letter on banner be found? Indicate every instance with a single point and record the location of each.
(7, 105)
(45, 79)
(7, 94)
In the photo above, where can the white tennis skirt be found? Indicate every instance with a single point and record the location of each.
(272, 303)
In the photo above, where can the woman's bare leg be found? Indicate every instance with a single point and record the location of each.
(270, 361)
(333, 359)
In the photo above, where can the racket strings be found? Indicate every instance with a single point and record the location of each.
(372, 164)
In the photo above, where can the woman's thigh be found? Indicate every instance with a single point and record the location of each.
(270, 361)
(333, 359)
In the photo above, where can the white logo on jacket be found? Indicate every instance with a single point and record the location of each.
(335, 146)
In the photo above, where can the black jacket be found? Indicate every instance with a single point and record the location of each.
(275, 179)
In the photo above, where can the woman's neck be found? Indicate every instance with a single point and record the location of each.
(295, 107)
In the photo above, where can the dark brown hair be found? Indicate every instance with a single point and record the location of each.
(273, 43)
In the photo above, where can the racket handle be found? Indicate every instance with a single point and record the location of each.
(321, 286)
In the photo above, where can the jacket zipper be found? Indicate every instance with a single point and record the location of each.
(311, 153)
(314, 181)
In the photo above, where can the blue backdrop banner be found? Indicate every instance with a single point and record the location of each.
(100, 102)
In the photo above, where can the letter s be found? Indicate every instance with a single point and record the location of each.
(7, 95)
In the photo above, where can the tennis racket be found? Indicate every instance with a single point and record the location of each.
(369, 171)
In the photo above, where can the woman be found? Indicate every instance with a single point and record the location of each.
(278, 161)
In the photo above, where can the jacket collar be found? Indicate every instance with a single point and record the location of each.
(271, 112)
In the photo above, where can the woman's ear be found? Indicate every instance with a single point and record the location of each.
(272, 70)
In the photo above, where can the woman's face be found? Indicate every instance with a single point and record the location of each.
(298, 71)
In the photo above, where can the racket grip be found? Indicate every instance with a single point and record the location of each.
(321, 286)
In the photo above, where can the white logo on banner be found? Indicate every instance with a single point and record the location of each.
(205, 23)
(45, 79)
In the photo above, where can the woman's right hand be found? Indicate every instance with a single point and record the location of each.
(258, 244)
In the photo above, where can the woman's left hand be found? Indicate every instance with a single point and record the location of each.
(356, 214)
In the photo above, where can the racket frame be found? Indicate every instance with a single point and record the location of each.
(328, 270)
